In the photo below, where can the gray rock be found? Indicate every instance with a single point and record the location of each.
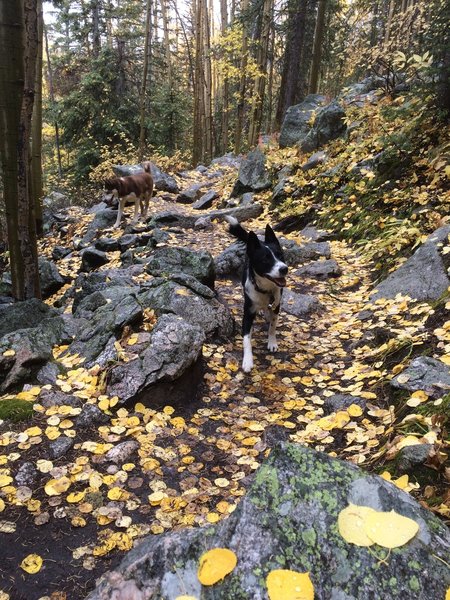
(174, 347)
(49, 373)
(314, 160)
(191, 302)
(106, 244)
(201, 169)
(252, 174)
(61, 446)
(247, 199)
(297, 121)
(206, 200)
(199, 264)
(128, 241)
(59, 252)
(104, 219)
(24, 315)
(56, 201)
(191, 194)
(341, 402)
(315, 235)
(427, 374)
(360, 91)
(300, 253)
(203, 223)
(91, 258)
(52, 398)
(288, 520)
(122, 452)
(410, 457)
(299, 305)
(328, 125)
(90, 416)
(32, 347)
(423, 276)
(230, 262)
(26, 474)
(50, 278)
(321, 269)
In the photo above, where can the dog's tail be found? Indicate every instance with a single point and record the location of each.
(236, 229)
(147, 166)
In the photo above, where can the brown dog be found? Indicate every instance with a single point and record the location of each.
(138, 188)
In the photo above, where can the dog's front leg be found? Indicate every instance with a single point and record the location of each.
(136, 209)
(144, 205)
(119, 214)
(272, 344)
(247, 324)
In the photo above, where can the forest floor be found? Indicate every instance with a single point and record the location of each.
(196, 461)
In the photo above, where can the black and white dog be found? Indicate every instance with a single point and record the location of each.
(263, 281)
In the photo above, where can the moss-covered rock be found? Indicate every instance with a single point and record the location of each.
(289, 520)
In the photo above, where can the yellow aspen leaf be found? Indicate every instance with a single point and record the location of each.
(354, 410)
(216, 564)
(33, 431)
(32, 563)
(182, 598)
(445, 359)
(75, 497)
(447, 595)
(78, 522)
(386, 475)
(283, 584)
(212, 517)
(5, 480)
(9, 353)
(133, 339)
(2, 505)
(389, 529)
(221, 482)
(351, 524)
(56, 487)
(156, 498)
(409, 440)
(156, 529)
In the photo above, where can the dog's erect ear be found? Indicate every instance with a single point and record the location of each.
(270, 237)
(253, 242)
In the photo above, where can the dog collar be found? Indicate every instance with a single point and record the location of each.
(256, 286)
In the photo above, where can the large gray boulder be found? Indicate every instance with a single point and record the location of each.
(328, 125)
(299, 305)
(423, 276)
(173, 347)
(252, 176)
(167, 261)
(427, 374)
(297, 121)
(24, 315)
(184, 296)
(103, 219)
(288, 520)
(50, 278)
(32, 345)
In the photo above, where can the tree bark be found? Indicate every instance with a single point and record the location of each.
(292, 59)
(317, 47)
(199, 106)
(36, 130)
(390, 17)
(96, 28)
(142, 98)
(18, 52)
(257, 102)
(51, 93)
(242, 84)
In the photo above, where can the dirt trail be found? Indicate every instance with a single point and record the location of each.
(195, 461)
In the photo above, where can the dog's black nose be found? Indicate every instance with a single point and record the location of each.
(283, 270)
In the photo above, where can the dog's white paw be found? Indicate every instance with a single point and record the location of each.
(247, 364)
(272, 345)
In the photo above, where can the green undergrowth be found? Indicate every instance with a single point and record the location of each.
(387, 205)
(15, 410)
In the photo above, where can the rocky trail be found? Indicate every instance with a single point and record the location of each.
(116, 446)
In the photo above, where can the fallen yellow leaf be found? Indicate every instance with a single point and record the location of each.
(283, 584)
(351, 524)
(215, 565)
(389, 529)
(31, 563)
